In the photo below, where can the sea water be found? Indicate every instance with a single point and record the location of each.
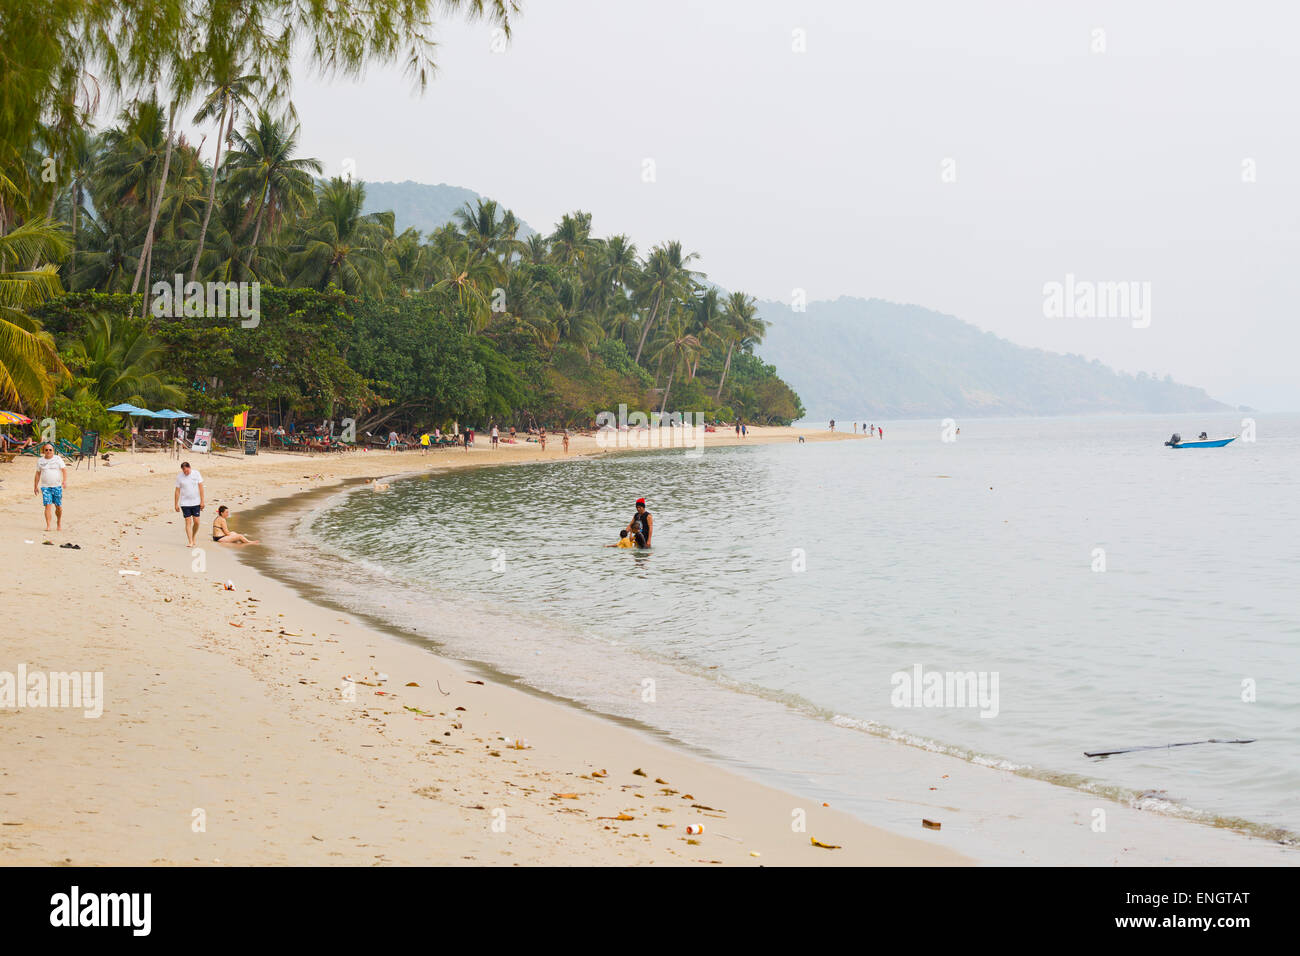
(1112, 592)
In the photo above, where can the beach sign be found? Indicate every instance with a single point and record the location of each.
(202, 441)
(251, 438)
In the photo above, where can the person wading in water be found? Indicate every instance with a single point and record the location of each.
(642, 525)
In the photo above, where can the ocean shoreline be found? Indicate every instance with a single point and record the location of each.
(207, 713)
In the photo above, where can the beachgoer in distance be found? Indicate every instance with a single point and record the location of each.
(744, 430)
(496, 436)
(221, 532)
(541, 437)
(424, 443)
(189, 499)
(832, 424)
(737, 427)
(624, 541)
(641, 527)
(566, 441)
(49, 481)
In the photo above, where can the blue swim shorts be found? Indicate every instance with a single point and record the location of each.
(190, 511)
(52, 496)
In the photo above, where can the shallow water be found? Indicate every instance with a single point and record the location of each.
(971, 556)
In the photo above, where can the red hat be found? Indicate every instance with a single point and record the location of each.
(640, 501)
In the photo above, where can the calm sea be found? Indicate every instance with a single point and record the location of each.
(1120, 593)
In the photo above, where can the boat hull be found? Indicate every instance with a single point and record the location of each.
(1216, 443)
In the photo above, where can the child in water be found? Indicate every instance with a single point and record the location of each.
(623, 541)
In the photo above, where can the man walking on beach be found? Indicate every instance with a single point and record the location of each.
(189, 499)
(642, 525)
(496, 436)
(50, 480)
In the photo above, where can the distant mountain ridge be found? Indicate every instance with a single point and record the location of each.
(423, 206)
(870, 357)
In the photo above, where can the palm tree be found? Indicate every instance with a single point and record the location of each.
(529, 299)
(407, 258)
(741, 326)
(706, 315)
(262, 167)
(536, 250)
(615, 270)
(117, 360)
(228, 253)
(483, 231)
(83, 161)
(110, 241)
(232, 91)
(663, 277)
(571, 320)
(133, 156)
(472, 280)
(678, 347)
(340, 243)
(571, 241)
(29, 365)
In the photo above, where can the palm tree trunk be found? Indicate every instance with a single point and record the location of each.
(72, 256)
(144, 295)
(222, 133)
(646, 331)
(725, 367)
(49, 214)
(257, 231)
(668, 388)
(157, 203)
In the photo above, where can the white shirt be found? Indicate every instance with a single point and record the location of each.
(51, 470)
(494, 431)
(189, 486)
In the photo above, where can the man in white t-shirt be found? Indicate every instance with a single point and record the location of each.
(189, 499)
(50, 480)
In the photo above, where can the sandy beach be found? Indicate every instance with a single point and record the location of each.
(231, 733)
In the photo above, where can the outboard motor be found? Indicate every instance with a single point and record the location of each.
(1175, 439)
(1204, 437)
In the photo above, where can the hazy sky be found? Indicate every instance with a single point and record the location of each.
(823, 170)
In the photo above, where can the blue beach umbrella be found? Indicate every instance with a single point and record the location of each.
(134, 412)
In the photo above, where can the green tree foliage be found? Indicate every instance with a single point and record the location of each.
(473, 321)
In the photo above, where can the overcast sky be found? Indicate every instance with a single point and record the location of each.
(1115, 156)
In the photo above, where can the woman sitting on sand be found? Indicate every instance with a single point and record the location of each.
(221, 532)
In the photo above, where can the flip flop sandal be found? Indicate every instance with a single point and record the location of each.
(68, 545)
